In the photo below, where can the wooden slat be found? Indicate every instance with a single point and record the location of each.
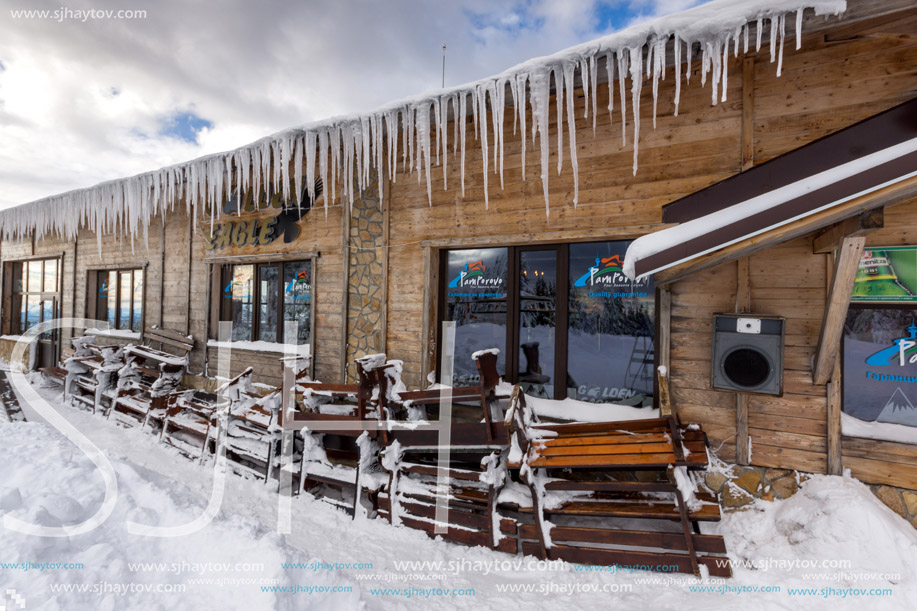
(591, 450)
(718, 567)
(712, 544)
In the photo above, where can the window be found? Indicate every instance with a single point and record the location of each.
(567, 321)
(263, 300)
(34, 292)
(119, 298)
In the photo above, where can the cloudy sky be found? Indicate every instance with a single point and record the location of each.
(83, 100)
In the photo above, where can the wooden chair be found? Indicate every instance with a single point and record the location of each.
(190, 417)
(92, 374)
(483, 395)
(152, 372)
(587, 465)
(341, 458)
(476, 468)
(249, 429)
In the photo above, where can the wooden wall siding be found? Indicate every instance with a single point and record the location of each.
(824, 87)
(319, 233)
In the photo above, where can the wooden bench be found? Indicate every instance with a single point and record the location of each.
(152, 372)
(588, 467)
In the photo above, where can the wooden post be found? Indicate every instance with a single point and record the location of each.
(743, 304)
(837, 302)
(835, 450)
(664, 341)
(743, 456)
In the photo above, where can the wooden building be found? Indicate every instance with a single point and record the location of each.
(383, 273)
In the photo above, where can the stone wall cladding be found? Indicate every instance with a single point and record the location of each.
(365, 279)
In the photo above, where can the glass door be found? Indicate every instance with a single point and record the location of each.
(537, 321)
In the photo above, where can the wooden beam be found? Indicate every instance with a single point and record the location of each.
(864, 224)
(837, 302)
(790, 231)
(748, 113)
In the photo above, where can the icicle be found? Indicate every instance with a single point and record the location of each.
(799, 28)
(773, 39)
(636, 60)
(584, 79)
(423, 144)
(759, 31)
(521, 80)
(498, 103)
(481, 96)
(689, 47)
(540, 91)
(622, 71)
(736, 36)
(657, 69)
(444, 113)
(610, 73)
(677, 72)
(782, 26)
(571, 125)
(323, 165)
(559, 96)
(463, 112)
(594, 84)
(745, 33)
(725, 68)
(438, 123)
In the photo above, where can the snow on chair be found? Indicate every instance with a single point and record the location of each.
(189, 420)
(581, 478)
(343, 458)
(151, 374)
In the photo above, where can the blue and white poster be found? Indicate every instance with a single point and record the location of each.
(880, 365)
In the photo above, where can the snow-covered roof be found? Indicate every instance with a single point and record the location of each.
(346, 148)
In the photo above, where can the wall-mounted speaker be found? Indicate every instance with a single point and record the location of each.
(748, 353)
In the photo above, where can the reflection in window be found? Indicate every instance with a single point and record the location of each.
(610, 327)
(283, 294)
(267, 301)
(34, 298)
(239, 291)
(537, 321)
(297, 299)
(119, 299)
(476, 300)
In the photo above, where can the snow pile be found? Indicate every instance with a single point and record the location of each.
(64, 488)
(830, 519)
(344, 151)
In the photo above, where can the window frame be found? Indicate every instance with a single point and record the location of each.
(92, 293)
(562, 304)
(221, 273)
(18, 295)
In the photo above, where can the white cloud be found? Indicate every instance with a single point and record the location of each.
(83, 102)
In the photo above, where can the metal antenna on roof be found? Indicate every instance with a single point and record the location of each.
(444, 66)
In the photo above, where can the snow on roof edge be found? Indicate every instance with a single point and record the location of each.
(345, 147)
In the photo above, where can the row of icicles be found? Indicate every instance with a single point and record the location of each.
(347, 150)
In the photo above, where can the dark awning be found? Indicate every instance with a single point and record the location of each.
(809, 187)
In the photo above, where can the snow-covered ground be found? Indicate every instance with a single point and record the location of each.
(832, 534)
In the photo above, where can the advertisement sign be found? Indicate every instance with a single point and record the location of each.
(887, 274)
(880, 365)
(610, 336)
